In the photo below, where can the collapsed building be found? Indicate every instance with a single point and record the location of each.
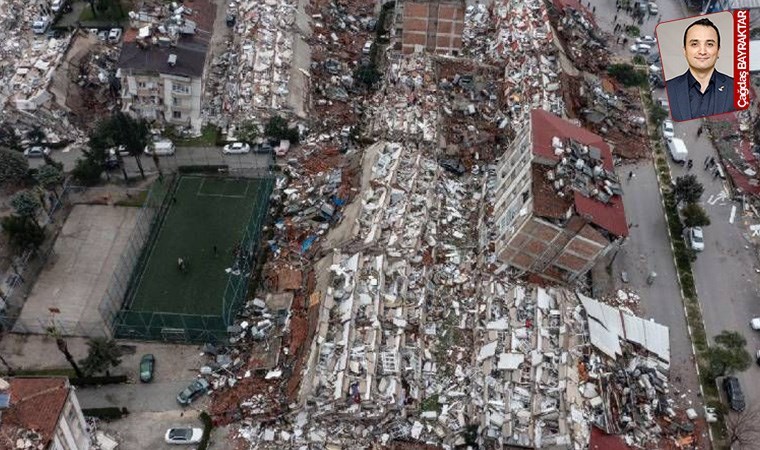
(559, 206)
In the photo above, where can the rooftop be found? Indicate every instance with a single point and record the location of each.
(582, 171)
(190, 57)
(35, 404)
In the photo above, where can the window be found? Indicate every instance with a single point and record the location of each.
(176, 101)
(180, 88)
(141, 84)
(526, 195)
(177, 114)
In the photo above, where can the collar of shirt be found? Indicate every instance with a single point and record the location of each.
(693, 83)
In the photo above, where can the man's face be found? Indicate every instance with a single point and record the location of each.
(701, 48)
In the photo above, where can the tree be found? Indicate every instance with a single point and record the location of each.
(627, 75)
(102, 355)
(688, 189)
(744, 427)
(23, 233)
(87, 171)
(728, 355)
(248, 132)
(49, 178)
(8, 137)
(657, 114)
(63, 347)
(36, 135)
(120, 131)
(367, 74)
(13, 166)
(695, 216)
(26, 205)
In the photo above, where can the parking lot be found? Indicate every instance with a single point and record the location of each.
(146, 430)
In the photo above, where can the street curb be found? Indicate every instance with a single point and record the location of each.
(678, 278)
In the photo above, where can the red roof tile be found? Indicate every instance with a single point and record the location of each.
(603, 441)
(546, 125)
(610, 216)
(36, 404)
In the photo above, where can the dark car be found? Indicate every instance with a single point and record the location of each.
(734, 394)
(147, 363)
(190, 393)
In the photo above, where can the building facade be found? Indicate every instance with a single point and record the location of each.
(558, 206)
(44, 411)
(434, 26)
(162, 82)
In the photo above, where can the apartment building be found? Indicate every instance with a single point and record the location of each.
(164, 81)
(43, 412)
(558, 206)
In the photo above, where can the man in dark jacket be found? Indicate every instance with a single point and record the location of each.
(702, 90)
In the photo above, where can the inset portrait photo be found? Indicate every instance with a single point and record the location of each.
(698, 61)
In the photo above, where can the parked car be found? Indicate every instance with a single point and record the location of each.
(38, 151)
(757, 357)
(654, 58)
(183, 435)
(648, 40)
(653, 8)
(161, 148)
(147, 363)
(236, 148)
(114, 35)
(190, 393)
(664, 103)
(367, 49)
(696, 239)
(640, 49)
(668, 130)
(755, 323)
(734, 394)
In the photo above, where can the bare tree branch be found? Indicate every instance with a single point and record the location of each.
(744, 427)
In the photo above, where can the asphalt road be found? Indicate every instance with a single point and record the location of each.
(138, 397)
(648, 247)
(725, 273)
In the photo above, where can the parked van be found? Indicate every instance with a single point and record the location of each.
(678, 150)
(162, 147)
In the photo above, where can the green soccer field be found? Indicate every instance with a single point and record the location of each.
(205, 213)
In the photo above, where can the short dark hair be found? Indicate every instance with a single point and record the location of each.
(705, 23)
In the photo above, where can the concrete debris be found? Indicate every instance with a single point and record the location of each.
(383, 316)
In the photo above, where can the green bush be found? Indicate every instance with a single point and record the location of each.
(208, 425)
(627, 75)
(633, 31)
(87, 172)
(109, 413)
(638, 59)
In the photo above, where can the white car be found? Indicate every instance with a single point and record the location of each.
(641, 49)
(184, 435)
(653, 8)
(697, 239)
(664, 103)
(755, 323)
(114, 35)
(236, 148)
(668, 131)
(37, 151)
(647, 40)
(56, 5)
(367, 49)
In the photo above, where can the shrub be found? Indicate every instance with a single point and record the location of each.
(627, 75)
(87, 172)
